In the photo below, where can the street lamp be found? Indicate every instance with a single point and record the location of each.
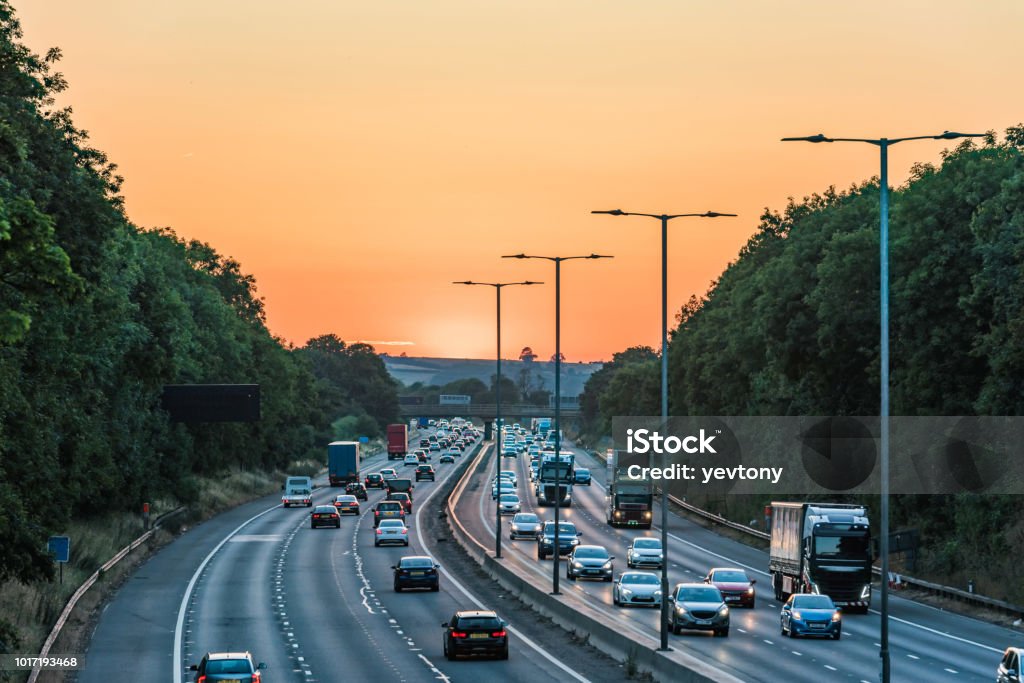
(883, 145)
(497, 408)
(664, 218)
(558, 389)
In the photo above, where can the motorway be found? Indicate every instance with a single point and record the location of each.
(926, 644)
(315, 605)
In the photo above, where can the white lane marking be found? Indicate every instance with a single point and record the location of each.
(176, 669)
(913, 656)
(831, 668)
(768, 641)
(434, 669)
(472, 598)
(798, 654)
(891, 617)
(243, 538)
(952, 671)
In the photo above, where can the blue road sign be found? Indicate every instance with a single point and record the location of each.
(364, 439)
(60, 547)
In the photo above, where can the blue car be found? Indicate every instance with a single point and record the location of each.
(807, 614)
(581, 476)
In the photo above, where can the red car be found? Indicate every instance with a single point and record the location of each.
(734, 585)
(402, 498)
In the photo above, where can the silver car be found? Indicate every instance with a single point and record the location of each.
(391, 531)
(637, 588)
(524, 525)
(645, 552)
(508, 504)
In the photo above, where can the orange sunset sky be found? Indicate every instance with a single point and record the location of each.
(357, 157)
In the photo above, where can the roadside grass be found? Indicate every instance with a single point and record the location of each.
(32, 609)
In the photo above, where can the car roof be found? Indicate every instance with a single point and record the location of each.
(693, 585)
(476, 613)
(415, 557)
(398, 522)
(594, 547)
(227, 655)
(634, 573)
(343, 495)
(726, 569)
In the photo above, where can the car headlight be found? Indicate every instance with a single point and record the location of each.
(657, 593)
(626, 592)
(750, 591)
(680, 609)
(797, 616)
(866, 593)
(577, 565)
(607, 565)
(836, 616)
(723, 611)
(647, 515)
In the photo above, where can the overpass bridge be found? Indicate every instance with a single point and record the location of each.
(485, 411)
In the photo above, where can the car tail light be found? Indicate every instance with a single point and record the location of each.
(379, 532)
(316, 516)
(499, 634)
(405, 531)
(458, 634)
(376, 513)
(256, 677)
(201, 679)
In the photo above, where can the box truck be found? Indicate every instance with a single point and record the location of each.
(398, 441)
(342, 462)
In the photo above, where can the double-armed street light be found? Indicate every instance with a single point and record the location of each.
(883, 145)
(664, 218)
(557, 260)
(498, 286)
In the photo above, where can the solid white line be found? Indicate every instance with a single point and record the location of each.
(831, 668)
(952, 671)
(913, 656)
(472, 598)
(176, 669)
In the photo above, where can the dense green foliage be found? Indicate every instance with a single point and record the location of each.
(96, 316)
(791, 326)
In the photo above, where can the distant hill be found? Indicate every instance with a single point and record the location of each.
(440, 371)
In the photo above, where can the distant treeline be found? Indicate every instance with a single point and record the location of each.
(97, 315)
(791, 327)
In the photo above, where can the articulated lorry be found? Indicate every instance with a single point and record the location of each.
(629, 502)
(398, 441)
(342, 462)
(821, 548)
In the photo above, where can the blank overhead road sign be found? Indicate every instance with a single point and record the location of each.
(60, 547)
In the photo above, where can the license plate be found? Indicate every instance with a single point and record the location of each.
(416, 573)
(732, 598)
(703, 622)
(593, 571)
(477, 635)
(817, 625)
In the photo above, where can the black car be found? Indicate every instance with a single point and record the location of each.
(424, 443)
(425, 472)
(590, 562)
(356, 489)
(472, 632)
(227, 666)
(374, 481)
(324, 515)
(416, 571)
(568, 538)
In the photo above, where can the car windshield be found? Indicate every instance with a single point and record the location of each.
(399, 496)
(228, 666)
(373, 476)
(525, 518)
(389, 506)
(647, 544)
(563, 529)
(730, 576)
(582, 470)
(645, 579)
(392, 523)
(813, 602)
(324, 509)
(417, 562)
(594, 553)
(699, 594)
(346, 499)
(509, 498)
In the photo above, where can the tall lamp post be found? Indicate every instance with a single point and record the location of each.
(664, 218)
(497, 405)
(883, 145)
(558, 390)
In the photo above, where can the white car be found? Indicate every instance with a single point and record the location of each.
(645, 552)
(388, 473)
(637, 588)
(391, 531)
(510, 476)
(411, 460)
(508, 504)
(501, 489)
